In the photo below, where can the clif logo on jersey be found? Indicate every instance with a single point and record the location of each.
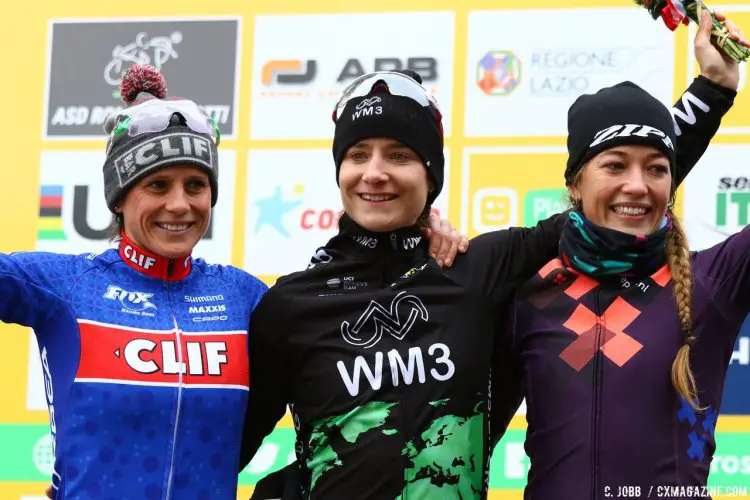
(133, 302)
(113, 354)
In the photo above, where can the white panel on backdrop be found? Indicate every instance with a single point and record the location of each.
(293, 204)
(301, 63)
(76, 177)
(525, 68)
(717, 195)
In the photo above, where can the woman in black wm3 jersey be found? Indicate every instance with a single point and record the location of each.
(384, 357)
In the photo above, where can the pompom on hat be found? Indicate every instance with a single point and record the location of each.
(153, 132)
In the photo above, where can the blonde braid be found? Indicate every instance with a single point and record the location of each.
(678, 257)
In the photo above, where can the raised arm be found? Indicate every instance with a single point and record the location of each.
(698, 113)
(697, 116)
(270, 377)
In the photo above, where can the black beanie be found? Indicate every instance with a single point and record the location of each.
(623, 114)
(381, 114)
(129, 159)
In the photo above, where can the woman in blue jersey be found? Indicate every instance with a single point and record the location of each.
(143, 348)
(137, 372)
(622, 342)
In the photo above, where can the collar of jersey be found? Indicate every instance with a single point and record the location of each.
(151, 264)
(402, 240)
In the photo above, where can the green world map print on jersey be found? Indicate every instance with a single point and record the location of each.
(351, 425)
(446, 458)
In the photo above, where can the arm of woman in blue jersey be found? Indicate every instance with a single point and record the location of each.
(33, 285)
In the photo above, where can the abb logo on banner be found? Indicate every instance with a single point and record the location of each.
(111, 353)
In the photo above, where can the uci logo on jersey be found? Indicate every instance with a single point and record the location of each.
(132, 302)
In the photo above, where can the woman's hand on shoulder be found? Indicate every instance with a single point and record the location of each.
(445, 241)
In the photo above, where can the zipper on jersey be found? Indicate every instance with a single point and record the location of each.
(596, 400)
(385, 261)
(170, 477)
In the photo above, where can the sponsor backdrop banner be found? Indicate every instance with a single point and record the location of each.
(269, 73)
(184, 50)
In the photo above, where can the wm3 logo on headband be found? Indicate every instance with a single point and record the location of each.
(630, 130)
(167, 148)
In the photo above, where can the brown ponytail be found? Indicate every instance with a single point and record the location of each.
(678, 257)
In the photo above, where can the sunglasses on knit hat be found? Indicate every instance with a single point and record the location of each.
(155, 115)
(395, 83)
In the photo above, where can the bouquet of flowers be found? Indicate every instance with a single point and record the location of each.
(676, 12)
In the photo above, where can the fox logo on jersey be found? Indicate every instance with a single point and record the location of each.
(132, 301)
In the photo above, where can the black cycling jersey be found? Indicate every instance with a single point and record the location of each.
(384, 358)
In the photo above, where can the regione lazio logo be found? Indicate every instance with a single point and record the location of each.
(521, 84)
(498, 72)
(79, 100)
(397, 320)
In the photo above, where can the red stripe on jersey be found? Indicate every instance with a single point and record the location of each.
(109, 353)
